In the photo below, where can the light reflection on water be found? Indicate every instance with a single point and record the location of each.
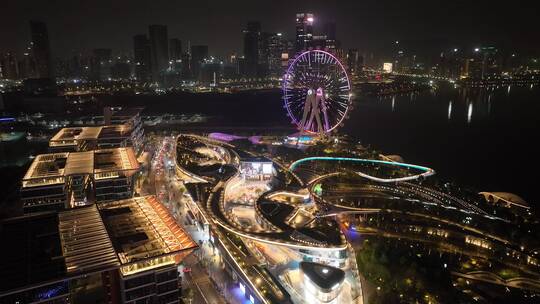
(469, 112)
(465, 134)
(466, 105)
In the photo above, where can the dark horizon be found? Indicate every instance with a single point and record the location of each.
(76, 27)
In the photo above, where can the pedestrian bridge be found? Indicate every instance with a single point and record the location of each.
(416, 171)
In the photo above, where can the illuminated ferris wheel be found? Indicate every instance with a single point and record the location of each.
(316, 92)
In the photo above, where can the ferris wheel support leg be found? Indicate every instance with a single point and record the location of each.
(307, 107)
(325, 115)
(314, 105)
(314, 114)
(320, 128)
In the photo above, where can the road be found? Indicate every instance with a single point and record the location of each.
(208, 278)
(199, 281)
(162, 181)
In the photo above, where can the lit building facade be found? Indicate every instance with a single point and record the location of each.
(80, 139)
(62, 180)
(304, 31)
(130, 118)
(276, 47)
(331, 43)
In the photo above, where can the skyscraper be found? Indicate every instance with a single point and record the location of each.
(354, 61)
(159, 45)
(9, 67)
(121, 69)
(275, 46)
(175, 53)
(198, 54)
(330, 32)
(101, 64)
(41, 49)
(252, 41)
(75, 66)
(186, 65)
(143, 58)
(175, 49)
(304, 31)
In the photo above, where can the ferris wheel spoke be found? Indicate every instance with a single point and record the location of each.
(343, 104)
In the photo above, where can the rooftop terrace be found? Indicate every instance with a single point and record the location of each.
(52, 168)
(71, 136)
(143, 233)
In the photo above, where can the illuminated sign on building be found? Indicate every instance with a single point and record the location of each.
(387, 67)
(257, 169)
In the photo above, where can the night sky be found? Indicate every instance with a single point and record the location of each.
(81, 25)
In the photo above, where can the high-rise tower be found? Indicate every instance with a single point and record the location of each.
(304, 31)
(143, 58)
(159, 44)
(41, 49)
(252, 41)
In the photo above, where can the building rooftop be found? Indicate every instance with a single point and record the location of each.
(79, 163)
(46, 169)
(115, 131)
(86, 246)
(52, 168)
(70, 136)
(132, 235)
(325, 277)
(143, 233)
(276, 213)
(115, 159)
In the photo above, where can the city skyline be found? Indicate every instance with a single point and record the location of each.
(158, 57)
(367, 26)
